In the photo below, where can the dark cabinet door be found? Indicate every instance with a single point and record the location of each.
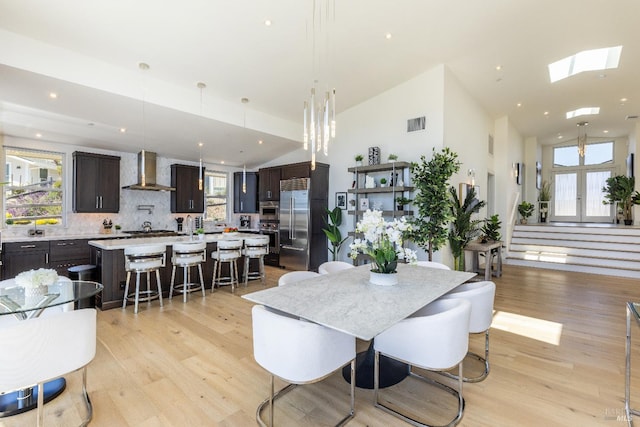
(296, 170)
(187, 198)
(96, 183)
(269, 184)
(245, 202)
(23, 256)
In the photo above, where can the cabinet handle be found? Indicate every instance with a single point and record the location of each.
(46, 258)
(241, 206)
(97, 202)
(100, 202)
(61, 244)
(27, 246)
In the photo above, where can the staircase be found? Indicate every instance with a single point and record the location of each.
(589, 248)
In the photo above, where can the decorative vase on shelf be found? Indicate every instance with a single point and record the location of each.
(383, 279)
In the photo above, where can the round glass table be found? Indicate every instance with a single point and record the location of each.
(26, 303)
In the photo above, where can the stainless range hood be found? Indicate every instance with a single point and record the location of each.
(147, 174)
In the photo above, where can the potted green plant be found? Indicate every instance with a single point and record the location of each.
(543, 200)
(402, 202)
(393, 158)
(621, 190)
(332, 231)
(200, 233)
(525, 209)
(432, 200)
(383, 182)
(359, 159)
(491, 229)
(463, 227)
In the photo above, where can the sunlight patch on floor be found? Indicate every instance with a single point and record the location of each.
(545, 257)
(530, 327)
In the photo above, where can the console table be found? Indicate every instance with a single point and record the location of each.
(486, 249)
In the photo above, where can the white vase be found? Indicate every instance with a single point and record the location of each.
(33, 294)
(383, 279)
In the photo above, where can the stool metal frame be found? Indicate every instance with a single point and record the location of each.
(255, 248)
(632, 312)
(227, 251)
(143, 259)
(187, 255)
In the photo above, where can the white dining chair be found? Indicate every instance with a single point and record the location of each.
(41, 349)
(298, 352)
(435, 338)
(296, 276)
(143, 259)
(481, 296)
(433, 264)
(333, 266)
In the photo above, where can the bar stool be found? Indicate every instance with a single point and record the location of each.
(187, 255)
(228, 251)
(255, 248)
(143, 259)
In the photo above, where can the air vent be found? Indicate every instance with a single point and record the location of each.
(416, 124)
(631, 117)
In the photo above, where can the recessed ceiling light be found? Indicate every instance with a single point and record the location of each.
(498, 67)
(546, 113)
(388, 36)
(38, 135)
(260, 141)
(584, 111)
(623, 99)
(587, 60)
(267, 22)
(519, 104)
(123, 130)
(53, 95)
(605, 131)
(222, 162)
(560, 137)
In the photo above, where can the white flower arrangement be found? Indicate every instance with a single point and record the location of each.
(35, 278)
(382, 241)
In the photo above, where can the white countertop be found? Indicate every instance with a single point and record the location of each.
(115, 244)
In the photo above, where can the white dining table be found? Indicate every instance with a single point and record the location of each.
(347, 302)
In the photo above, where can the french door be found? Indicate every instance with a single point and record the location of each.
(578, 196)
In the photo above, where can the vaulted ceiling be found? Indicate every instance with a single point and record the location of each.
(88, 52)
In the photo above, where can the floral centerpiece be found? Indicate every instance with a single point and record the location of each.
(35, 278)
(382, 241)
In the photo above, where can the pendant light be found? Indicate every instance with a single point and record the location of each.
(200, 86)
(582, 138)
(244, 101)
(143, 177)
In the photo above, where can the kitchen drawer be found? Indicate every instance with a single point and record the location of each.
(62, 250)
(26, 246)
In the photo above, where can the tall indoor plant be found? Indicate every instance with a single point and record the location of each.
(621, 189)
(332, 231)
(464, 228)
(432, 200)
(544, 196)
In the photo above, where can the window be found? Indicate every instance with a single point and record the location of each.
(599, 153)
(33, 187)
(216, 194)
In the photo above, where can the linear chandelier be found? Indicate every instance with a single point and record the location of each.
(582, 138)
(319, 113)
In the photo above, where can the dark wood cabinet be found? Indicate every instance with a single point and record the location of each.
(269, 184)
(96, 183)
(187, 198)
(68, 253)
(23, 256)
(296, 170)
(245, 201)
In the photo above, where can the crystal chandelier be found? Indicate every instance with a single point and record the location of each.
(200, 86)
(319, 114)
(582, 138)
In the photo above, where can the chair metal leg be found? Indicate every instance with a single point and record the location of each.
(246, 271)
(484, 360)
(456, 393)
(201, 279)
(215, 270)
(159, 286)
(126, 290)
(87, 401)
(40, 408)
(137, 296)
(173, 281)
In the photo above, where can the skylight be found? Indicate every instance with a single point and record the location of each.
(584, 111)
(587, 60)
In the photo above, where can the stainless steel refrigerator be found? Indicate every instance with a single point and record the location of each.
(294, 223)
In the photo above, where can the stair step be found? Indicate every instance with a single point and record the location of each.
(582, 252)
(587, 245)
(578, 236)
(635, 274)
(559, 258)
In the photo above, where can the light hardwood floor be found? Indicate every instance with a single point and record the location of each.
(192, 364)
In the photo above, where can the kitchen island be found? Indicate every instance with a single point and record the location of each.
(108, 256)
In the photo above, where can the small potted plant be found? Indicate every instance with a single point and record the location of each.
(621, 189)
(359, 159)
(200, 233)
(383, 182)
(393, 158)
(543, 200)
(491, 229)
(525, 209)
(402, 202)
(118, 227)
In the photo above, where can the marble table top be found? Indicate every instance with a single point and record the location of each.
(347, 302)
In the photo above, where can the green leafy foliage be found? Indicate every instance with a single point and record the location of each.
(463, 227)
(525, 209)
(332, 231)
(432, 200)
(491, 228)
(621, 189)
